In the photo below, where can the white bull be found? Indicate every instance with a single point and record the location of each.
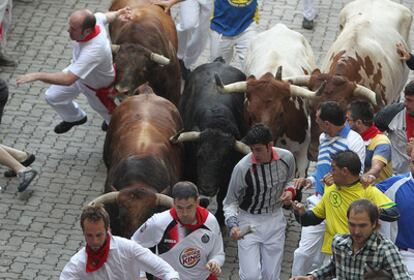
(286, 115)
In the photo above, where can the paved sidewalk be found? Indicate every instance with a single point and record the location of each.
(39, 235)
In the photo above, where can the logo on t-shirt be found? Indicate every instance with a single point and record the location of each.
(190, 257)
(335, 199)
(205, 238)
(240, 3)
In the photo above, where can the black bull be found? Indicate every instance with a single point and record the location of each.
(212, 124)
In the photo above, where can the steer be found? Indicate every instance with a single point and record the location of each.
(140, 159)
(145, 50)
(362, 62)
(212, 125)
(274, 102)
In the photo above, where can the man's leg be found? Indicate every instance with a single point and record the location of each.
(273, 245)
(95, 103)
(4, 95)
(221, 46)
(249, 250)
(189, 19)
(243, 42)
(61, 98)
(309, 14)
(26, 174)
(197, 39)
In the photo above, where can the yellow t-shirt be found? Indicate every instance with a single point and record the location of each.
(335, 203)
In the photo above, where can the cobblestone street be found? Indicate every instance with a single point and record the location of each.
(40, 232)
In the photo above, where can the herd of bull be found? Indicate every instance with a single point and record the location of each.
(150, 144)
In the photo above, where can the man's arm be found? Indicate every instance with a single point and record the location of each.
(231, 202)
(394, 264)
(57, 78)
(405, 55)
(123, 14)
(369, 177)
(305, 218)
(148, 235)
(216, 257)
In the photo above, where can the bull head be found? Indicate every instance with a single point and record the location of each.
(190, 136)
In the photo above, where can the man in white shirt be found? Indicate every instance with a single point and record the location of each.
(108, 257)
(91, 70)
(187, 236)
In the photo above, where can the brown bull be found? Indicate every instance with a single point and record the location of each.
(145, 50)
(140, 159)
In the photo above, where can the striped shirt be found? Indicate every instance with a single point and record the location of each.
(347, 139)
(256, 188)
(377, 254)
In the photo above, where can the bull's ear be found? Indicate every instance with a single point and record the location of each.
(251, 78)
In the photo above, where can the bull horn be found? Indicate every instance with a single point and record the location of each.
(115, 48)
(185, 137)
(234, 87)
(367, 93)
(305, 93)
(160, 59)
(241, 147)
(298, 80)
(164, 200)
(278, 75)
(105, 198)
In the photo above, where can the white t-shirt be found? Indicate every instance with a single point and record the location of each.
(190, 252)
(92, 60)
(125, 261)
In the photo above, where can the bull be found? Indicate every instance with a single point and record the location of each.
(212, 125)
(145, 50)
(362, 63)
(140, 159)
(272, 101)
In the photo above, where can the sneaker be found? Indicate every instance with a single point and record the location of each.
(307, 24)
(29, 160)
(66, 126)
(26, 177)
(6, 61)
(104, 126)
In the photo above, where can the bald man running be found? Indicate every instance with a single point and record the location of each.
(91, 70)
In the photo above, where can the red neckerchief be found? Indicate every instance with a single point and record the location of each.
(97, 259)
(275, 156)
(91, 35)
(409, 120)
(201, 216)
(370, 133)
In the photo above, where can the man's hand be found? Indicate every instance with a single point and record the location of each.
(214, 268)
(235, 233)
(305, 182)
(367, 179)
(166, 4)
(286, 197)
(402, 52)
(125, 14)
(328, 179)
(299, 208)
(27, 78)
(310, 277)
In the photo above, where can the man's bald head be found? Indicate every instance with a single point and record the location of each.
(81, 24)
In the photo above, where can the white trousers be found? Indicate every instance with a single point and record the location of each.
(309, 11)
(193, 29)
(408, 259)
(308, 255)
(61, 98)
(226, 46)
(261, 253)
